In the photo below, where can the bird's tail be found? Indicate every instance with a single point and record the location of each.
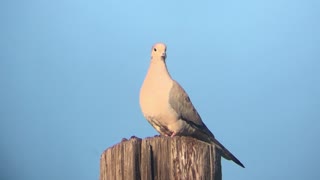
(225, 152)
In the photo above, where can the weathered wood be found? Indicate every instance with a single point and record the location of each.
(161, 158)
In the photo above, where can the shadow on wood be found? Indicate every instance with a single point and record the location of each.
(161, 158)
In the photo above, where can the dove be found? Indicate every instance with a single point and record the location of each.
(168, 108)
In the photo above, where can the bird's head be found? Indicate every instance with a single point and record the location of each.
(159, 51)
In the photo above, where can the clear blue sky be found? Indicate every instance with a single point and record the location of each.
(71, 71)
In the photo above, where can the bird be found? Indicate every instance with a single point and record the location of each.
(168, 108)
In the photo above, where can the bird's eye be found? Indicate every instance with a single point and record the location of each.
(154, 49)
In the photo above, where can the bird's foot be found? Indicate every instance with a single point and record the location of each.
(173, 134)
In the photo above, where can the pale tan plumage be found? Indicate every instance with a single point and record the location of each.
(168, 108)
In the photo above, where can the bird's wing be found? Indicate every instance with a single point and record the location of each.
(182, 105)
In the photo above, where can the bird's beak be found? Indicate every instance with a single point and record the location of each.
(164, 55)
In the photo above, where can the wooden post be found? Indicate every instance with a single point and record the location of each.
(161, 158)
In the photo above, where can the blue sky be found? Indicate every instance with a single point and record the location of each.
(71, 71)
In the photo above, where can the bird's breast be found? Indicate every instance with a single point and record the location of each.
(154, 102)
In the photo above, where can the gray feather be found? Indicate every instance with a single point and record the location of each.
(181, 103)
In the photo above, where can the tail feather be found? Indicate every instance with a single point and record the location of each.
(201, 132)
(225, 152)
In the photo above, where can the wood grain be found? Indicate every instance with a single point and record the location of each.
(161, 158)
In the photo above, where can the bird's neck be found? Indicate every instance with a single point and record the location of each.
(159, 67)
